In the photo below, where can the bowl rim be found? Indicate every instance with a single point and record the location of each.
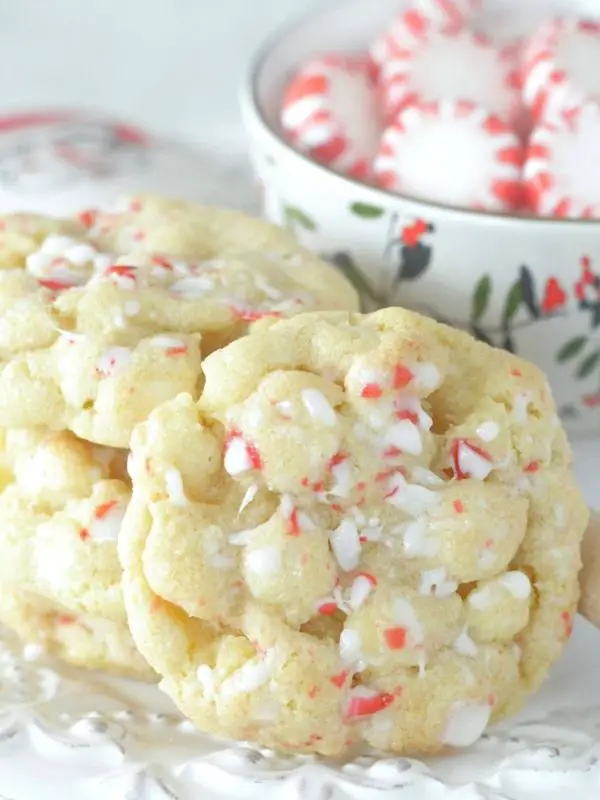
(251, 108)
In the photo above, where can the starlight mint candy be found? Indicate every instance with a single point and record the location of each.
(353, 537)
(562, 67)
(445, 15)
(562, 171)
(330, 112)
(454, 153)
(435, 65)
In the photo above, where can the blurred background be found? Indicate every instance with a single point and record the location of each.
(173, 66)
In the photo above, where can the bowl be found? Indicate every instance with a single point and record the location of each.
(530, 285)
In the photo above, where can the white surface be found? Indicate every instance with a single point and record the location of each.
(172, 65)
(587, 468)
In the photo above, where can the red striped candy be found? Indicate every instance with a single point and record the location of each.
(562, 67)
(330, 112)
(562, 170)
(453, 153)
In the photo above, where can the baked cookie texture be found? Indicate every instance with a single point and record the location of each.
(81, 640)
(366, 531)
(61, 506)
(107, 316)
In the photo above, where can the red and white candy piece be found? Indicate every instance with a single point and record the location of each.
(453, 153)
(449, 12)
(447, 15)
(434, 65)
(330, 112)
(562, 169)
(562, 67)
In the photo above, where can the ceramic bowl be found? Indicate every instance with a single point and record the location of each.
(526, 284)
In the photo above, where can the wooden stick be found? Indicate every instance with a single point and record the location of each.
(589, 578)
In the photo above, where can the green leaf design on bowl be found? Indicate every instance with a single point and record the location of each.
(295, 216)
(366, 211)
(589, 364)
(513, 302)
(571, 349)
(481, 298)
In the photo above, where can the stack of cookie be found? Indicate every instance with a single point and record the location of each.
(102, 319)
(321, 531)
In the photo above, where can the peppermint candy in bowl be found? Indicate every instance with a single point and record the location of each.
(448, 166)
(56, 162)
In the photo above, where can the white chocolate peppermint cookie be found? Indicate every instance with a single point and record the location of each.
(355, 536)
(104, 318)
(60, 515)
(82, 640)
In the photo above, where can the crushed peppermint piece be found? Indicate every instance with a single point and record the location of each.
(520, 406)
(405, 435)
(193, 288)
(395, 638)
(318, 407)
(363, 702)
(480, 598)
(265, 561)
(106, 524)
(488, 431)
(123, 276)
(341, 471)
(417, 542)
(413, 499)
(361, 588)
(174, 487)
(327, 607)
(435, 582)
(371, 391)
(427, 377)
(170, 344)
(132, 308)
(466, 723)
(405, 616)
(248, 497)
(248, 678)
(464, 645)
(402, 376)
(470, 461)
(532, 467)
(517, 583)
(88, 217)
(351, 647)
(340, 679)
(113, 361)
(345, 544)
(239, 455)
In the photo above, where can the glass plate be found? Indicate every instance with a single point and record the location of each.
(68, 734)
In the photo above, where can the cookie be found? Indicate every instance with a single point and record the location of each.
(60, 514)
(365, 532)
(81, 640)
(106, 317)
